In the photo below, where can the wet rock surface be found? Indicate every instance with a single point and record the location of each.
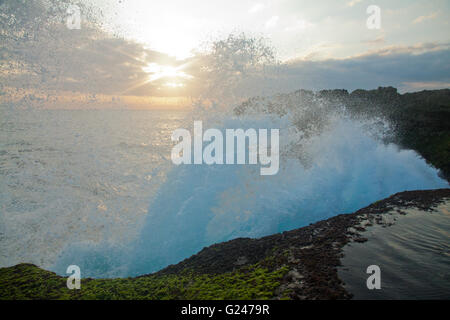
(312, 253)
(298, 264)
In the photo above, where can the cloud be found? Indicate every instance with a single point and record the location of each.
(377, 41)
(417, 86)
(415, 49)
(424, 18)
(424, 65)
(353, 2)
(373, 69)
(52, 60)
(272, 22)
(299, 25)
(43, 55)
(257, 8)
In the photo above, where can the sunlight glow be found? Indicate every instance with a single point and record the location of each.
(157, 72)
(174, 84)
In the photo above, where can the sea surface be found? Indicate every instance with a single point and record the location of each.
(69, 176)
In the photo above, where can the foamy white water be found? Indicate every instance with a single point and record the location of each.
(77, 176)
(336, 171)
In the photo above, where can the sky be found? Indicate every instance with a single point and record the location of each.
(152, 53)
(297, 28)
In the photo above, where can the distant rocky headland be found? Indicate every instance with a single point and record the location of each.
(420, 120)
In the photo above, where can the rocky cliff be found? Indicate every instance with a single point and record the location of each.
(420, 120)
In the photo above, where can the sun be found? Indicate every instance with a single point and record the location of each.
(157, 72)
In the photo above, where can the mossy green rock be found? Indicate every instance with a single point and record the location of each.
(26, 281)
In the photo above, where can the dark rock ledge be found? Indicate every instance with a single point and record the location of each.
(312, 253)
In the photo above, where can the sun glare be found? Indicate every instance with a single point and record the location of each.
(174, 84)
(157, 72)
